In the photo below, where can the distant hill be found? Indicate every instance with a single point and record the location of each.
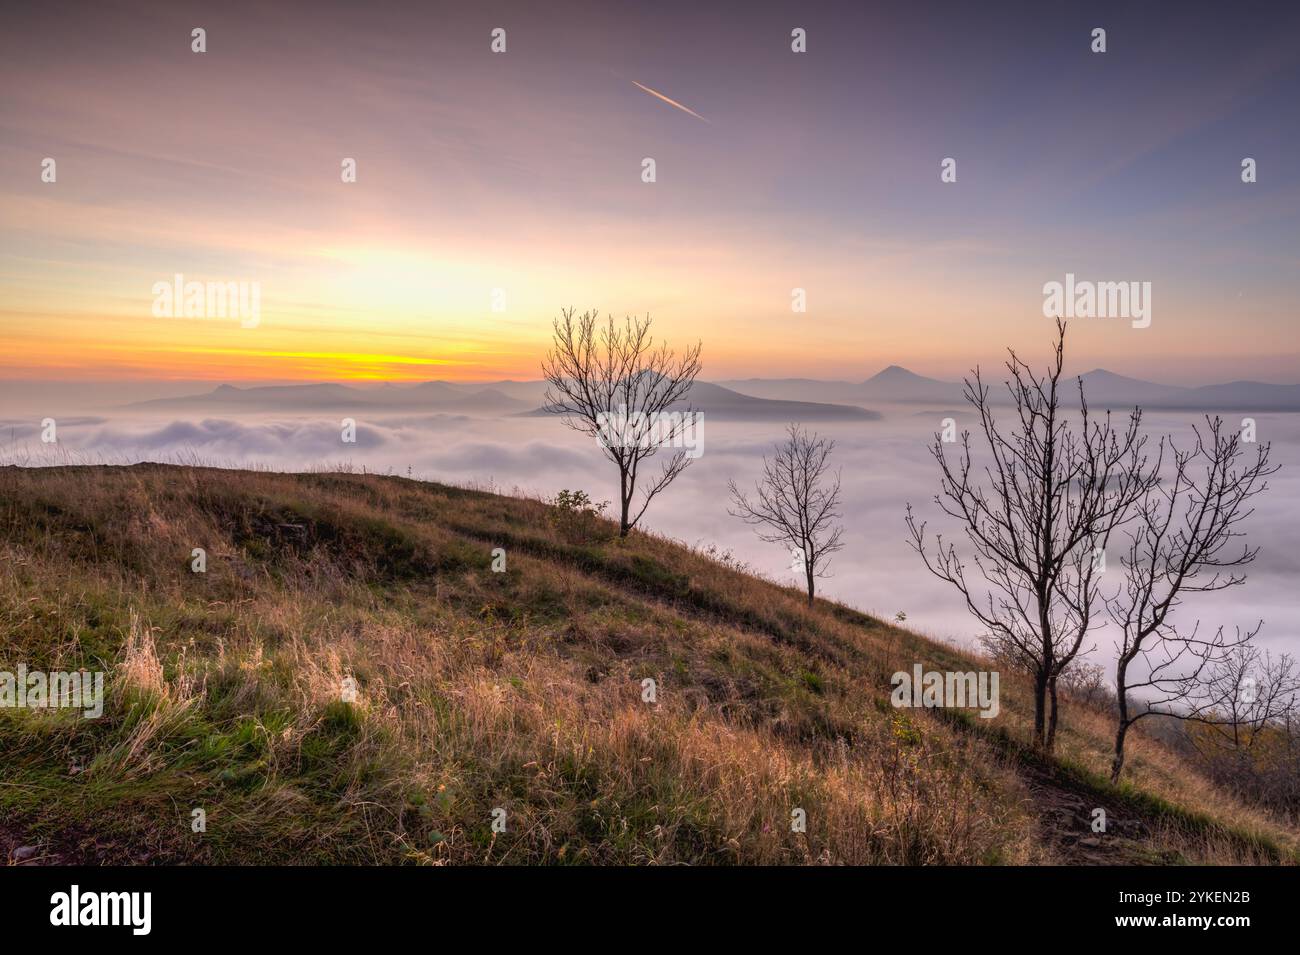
(528, 392)
(750, 399)
(724, 404)
(1104, 389)
(893, 385)
(351, 681)
(899, 384)
(1107, 388)
(1246, 396)
(795, 389)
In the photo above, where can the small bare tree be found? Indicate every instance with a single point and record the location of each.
(1037, 511)
(1256, 691)
(1085, 682)
(796, 501)
(1248, 745)
(612, 383)
(1180, 544)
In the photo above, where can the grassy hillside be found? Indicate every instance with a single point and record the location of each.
(519, 690)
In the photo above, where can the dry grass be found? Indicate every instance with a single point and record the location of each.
(478, 691)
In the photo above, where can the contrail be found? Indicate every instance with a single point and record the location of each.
(670, 102)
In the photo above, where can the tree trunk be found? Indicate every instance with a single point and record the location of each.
(1040, 697)
(811, 585)
(1121, 729)
(625, 497)
(1118, 762)
(1044, 671)
(1051, 719)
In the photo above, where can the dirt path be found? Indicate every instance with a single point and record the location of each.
(1065, 815)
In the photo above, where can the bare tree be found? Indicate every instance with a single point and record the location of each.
(1249, 744)
(1255, 691)
(1037, 512)
(1085, 682)
(612, 383)
(1181, 544)
(796, 501)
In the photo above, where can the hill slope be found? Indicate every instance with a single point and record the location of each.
(519, 691)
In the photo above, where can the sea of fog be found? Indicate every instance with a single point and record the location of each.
(884, 465)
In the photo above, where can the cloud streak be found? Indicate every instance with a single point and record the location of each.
(670, 101)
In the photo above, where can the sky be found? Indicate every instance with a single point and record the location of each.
(521, 172)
